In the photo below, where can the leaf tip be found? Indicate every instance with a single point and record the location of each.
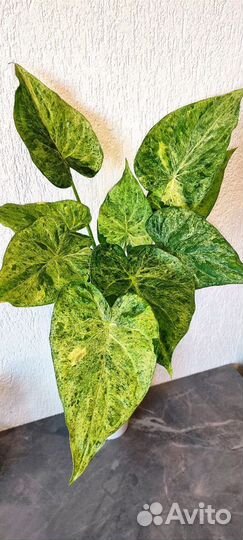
(73, 479)
(127, 168)
(18, 69)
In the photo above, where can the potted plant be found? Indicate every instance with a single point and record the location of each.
(122, 305)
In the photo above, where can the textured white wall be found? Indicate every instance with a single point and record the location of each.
(125, 64)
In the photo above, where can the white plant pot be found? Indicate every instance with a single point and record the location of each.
(160, 376)
(119, 432)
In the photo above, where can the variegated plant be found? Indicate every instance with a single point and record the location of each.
(123, 305)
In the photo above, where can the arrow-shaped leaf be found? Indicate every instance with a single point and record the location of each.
(57, 136)
(124, 213)
(104, 361)
(39, 262)
(184, 154)
(198, 245)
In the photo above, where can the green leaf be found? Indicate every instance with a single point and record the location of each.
(73, 214)
(104, 361)
(154, 201)
(57, 136)
(183, 155)
(158, 277)
(39, 261)
(206, 205)
(124, 213)
(198, 245)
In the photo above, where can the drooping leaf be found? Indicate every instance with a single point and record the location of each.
(73, 214)
(104, 361)
(39, 261)
(184, 154)
(198, 245)
(159, 278)
(57, 136)
(124, 213)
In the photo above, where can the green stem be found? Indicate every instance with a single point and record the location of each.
(88, 228)
(91, 235)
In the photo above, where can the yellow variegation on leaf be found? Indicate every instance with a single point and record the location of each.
(57, 136)
(40, 260)
(104, 360)
(124, 213)
(73, 214)
(107, 335)
(158, 277)
(184, 155)
(198, 245)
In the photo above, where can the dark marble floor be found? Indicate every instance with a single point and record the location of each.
(184, 445)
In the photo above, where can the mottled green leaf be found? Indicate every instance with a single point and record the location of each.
(57, 136)
(39, 261)
(198, 245)
(124, 213)
(157, 276)
(73, 214)
(184, 154)
(104, 361)
(206, 205)
(154, 201)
